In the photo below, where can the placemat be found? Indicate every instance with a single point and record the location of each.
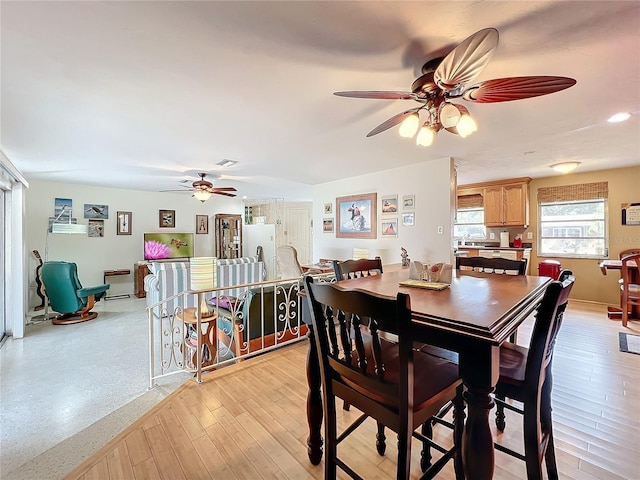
(629, 343)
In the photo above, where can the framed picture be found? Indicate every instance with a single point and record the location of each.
(327, 225)
(328, 208)
(94, 210)
(631, 213)
(408, 219)
(356, 216)
(389, 204)
(408, 202)
(167, 218)
(124, 223)
(95, 228)
(62, 208)
(202, 223)
(390, 227)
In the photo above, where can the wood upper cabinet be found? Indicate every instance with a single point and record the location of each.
(506, 202)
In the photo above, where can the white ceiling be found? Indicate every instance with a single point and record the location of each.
(145, 94)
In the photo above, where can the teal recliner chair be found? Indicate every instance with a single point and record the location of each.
(66, 295)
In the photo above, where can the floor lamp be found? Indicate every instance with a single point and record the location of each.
(56, 228)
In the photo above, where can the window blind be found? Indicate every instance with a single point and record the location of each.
(568, 193)
(470, 201)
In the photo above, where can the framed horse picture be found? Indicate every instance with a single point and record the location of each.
(356, 216)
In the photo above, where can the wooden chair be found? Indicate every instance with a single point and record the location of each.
(363, 267)
(525, 376)
(630, 285)
(390, 382)
(492, 265)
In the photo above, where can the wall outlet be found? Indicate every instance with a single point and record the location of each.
(440, 229)
(492, 236)
(529, 235)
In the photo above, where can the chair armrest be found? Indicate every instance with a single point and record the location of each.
(87, 291)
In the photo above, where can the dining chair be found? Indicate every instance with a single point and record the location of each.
(525, 376)
(630, 286)
(388, 381)
(492, 265)
(363, 267)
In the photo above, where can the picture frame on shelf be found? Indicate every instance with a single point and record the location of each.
(167, 218)
(356, 216)
(408, 202)
(202, 224)
(408, 219)
(327, 225)
(390, 227)
(124, 223)
(389, 204)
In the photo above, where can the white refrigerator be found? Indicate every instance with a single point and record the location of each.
(261, 235)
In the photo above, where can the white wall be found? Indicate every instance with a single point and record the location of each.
(94, 255)
(431, 183)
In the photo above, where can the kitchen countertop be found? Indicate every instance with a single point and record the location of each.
(493, 247)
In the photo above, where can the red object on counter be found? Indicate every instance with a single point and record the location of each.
(517, 242)
(549, 268)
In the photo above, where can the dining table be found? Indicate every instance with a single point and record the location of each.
(615, 313)
(473, 316)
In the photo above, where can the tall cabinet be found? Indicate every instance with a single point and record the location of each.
(228, 235)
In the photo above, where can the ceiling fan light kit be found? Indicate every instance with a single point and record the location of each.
(446, 78)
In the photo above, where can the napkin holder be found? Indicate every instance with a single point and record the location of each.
(435, 272)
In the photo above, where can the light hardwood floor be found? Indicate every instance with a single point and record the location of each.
(249, 422)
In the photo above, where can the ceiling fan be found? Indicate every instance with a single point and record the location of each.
(203, 189)
(446, 78)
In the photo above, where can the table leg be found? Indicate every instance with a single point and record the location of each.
(314, 402)
(479, 371)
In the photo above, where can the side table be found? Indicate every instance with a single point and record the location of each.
(208, 339)
(111, 273)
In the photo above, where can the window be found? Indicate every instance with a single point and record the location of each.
(470, 223)
(571, 223)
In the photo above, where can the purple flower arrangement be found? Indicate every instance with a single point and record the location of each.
(155, 250)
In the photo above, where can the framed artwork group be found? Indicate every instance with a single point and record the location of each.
(356, 216)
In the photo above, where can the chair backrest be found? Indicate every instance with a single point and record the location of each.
(492, 265)
(61, 283)
(629, 251)
(287, 258)
(627, 272)
(363, 267)
(337, 363)
(545, 330)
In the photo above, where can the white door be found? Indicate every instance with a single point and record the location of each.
(297, 231)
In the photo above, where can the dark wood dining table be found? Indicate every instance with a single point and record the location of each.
(473, 317)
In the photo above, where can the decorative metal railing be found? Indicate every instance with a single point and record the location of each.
(266, 316)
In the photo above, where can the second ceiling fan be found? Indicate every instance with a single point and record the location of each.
(203, 189)
(447, 78)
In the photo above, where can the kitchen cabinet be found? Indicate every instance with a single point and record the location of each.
(228, 235)
(505, 202)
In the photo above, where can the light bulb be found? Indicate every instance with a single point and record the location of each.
(425, 136)
(449, 115)
(202, 195)
(466, 126)
(410, 125)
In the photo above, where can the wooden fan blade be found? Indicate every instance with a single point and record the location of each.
(516, 88)
(395, 120)
(222, 189)
(376, 94)
(225, 194)
(465, 62)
